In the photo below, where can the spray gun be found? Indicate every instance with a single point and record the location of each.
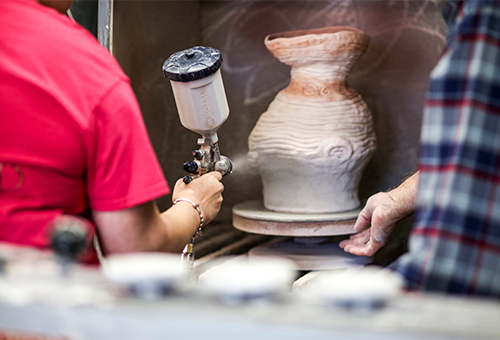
(201, 101)
(202, 105)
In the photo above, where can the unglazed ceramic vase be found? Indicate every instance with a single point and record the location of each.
(316, 137)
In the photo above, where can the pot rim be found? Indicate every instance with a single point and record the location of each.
(315, 31)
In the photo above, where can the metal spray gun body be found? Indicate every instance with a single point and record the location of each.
(201, 101)
(206, 159)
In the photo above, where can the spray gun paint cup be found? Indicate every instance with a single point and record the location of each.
(198, 89)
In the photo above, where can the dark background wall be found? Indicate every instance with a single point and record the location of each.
(85, 12)
(407, 39)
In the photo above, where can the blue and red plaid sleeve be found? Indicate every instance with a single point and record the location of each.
(455, 243)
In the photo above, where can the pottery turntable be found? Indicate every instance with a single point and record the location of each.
(310, 148)
(312, 247)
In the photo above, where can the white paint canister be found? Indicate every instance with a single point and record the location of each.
(198, 89)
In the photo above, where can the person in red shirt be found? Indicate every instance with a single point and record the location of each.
(73, 141)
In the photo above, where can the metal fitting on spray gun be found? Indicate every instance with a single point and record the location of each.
(206, 159)
(202, 105)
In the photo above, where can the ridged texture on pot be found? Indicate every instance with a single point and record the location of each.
(316, 137)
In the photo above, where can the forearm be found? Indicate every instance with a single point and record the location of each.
(182, 220)
(143, 228)
(404, 196)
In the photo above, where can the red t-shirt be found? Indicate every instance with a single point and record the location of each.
(72, 137)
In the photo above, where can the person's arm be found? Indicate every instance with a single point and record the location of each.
(377, 219)
(144, 228)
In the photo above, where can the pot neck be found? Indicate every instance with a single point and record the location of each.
(323, 72)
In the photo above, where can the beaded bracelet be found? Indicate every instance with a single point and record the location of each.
(197, 207)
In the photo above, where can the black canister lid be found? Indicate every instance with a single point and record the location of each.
(192, 64)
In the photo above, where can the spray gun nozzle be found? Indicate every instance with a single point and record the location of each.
(224, 166)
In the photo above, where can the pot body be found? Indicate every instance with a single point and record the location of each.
(316, 137)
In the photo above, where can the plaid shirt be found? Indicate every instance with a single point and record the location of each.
(455, 243)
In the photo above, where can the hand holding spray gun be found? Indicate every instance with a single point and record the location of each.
(201, 101)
